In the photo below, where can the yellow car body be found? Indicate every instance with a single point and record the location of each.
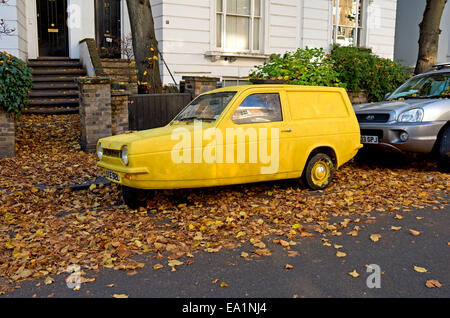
(314, 119)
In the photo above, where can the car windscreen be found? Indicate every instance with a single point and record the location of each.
(432, 85)
(207, 107)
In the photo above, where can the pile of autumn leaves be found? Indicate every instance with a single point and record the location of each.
(42, 232)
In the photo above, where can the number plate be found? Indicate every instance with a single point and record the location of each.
(369, 139)
(112, 176)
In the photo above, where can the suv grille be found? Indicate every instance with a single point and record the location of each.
(373, 118)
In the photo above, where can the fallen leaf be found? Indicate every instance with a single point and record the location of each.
(120, 296)
(354, 274)
(420, 269)
(223, 284)
(288, 266)
(158, 266)
(175, 262)
(49, 280)
(375, 237)
(433, 283)
(341, 254)
(396, 228)
(415, 233)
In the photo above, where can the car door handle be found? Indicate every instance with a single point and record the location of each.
(287, 130)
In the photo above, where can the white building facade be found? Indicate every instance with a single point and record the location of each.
(216, 38)
(409, 16)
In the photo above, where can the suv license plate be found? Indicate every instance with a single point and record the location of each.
(369, 139)
(112, 175)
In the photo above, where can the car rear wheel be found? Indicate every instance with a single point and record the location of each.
(135, 198)
(444, 151)
(319, 171)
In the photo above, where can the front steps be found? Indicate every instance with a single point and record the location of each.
(122, 72)
(55, 90)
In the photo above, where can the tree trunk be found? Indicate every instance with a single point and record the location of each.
(145, 45)
(429, 35)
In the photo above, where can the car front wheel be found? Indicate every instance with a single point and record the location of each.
(444, 151)
(319, 171)
(135, 198)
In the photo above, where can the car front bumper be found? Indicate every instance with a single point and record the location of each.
(421, 136)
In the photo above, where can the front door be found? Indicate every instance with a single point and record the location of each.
(52, 27)
(108, 29)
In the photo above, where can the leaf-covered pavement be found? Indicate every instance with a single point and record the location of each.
(42, 232)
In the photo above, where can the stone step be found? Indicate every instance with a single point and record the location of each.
(48, 102)
(124, 64)
(58, 64)
(56, 85)
(51, 111)
(119, 71)
(52, 79)
(52, 93)
(59, 71)
(55, 90)
(55, 58)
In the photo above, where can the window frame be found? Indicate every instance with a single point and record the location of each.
(282, 119)
(223, 32)
(359, 30)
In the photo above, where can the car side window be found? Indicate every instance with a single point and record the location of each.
(259, 108)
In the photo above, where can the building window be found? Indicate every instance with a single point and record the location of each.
(235, 81)
(347, 22)
(238, 25)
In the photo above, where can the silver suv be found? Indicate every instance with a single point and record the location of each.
(414, 118)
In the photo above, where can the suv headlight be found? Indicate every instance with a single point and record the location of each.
(124, 155)
(411, 116)
(100, 152)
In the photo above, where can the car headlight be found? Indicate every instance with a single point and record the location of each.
(100, 152)
(411, 116)
(124, 155)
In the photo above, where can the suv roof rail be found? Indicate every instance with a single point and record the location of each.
(441, 66)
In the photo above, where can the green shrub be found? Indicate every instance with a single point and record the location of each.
(361, 70)
(309, 66)
(15, 82)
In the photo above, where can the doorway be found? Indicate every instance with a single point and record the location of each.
(108, 28)
(53, 36)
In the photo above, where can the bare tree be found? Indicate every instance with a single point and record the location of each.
(429, 35)
(145, 45)
(4, 29)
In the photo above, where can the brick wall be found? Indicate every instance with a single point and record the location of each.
(7, 135)
(119, 112)
(199, 85)
(95, 111)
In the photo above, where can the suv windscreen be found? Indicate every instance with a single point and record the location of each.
(433, 85)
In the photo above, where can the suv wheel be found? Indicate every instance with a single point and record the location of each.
(135, 198)
(319, 171)
(444, 151)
